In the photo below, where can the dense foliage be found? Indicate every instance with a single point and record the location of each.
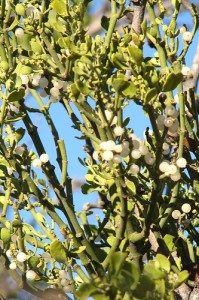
(145, 243)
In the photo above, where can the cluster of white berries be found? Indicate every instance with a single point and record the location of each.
(20, 258)
(110, 116)
(186, 208)
(58, 85)
(43, 159)
(37, 80)
(134, 147)
(64, 281)
(169, 120)
(172, 170)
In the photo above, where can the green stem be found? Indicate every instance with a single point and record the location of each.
(169, 209)
(63, 161)
(182, 113)
(112, 23)
(77, 269)
(7, 196)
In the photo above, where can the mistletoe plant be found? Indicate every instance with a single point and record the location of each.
(144, 245)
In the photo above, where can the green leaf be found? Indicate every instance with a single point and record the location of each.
(153, 272)
(15, 119)
(118, 61)
(131, 272)
(5, 235)
(87, 189)
(182, 277)
(64, 42)
(89, 177)
(85, 290)
(16, 95)
(74, 90)
(164, 262)
(130, 91)
(79, 250)
(111, 240)
(176, 3)
(19, 134)
(24, 41)
(150, 96)
(120, 84)
(14, 24)
(82, 87)
(60, 7)
(116, 262)
(33, 262)
(172, 81)
(169, 241)
(28, 229)
(136, 54)
(125, 122)
(36, 47)
(20, 9)
(131, 187)
(41, 218)
(105, 22)
(58, 251)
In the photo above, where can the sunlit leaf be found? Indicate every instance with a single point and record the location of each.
(58, 251)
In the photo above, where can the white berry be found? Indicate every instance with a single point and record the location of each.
(13, 266)
(176, 176)
(135, 154)
(172, 169)
(125, 144)
(186, 208)
(187, 36)
(125, 152)
(58, 84)
(36, 163)
(181, 162)
(19, 150)
(44, 158)
(54, 91)
(9, 253)
(46, 256)
(149, 159)
(117, 159)
(163, 167)
(31, 275)
(134, 169)
(168, 122)
(170, 110)
(110, 145)
(143, 149)
(24, 79)
(62, 274)
(186, 71)
(96, 155)
(176, 214)
(118, 148)
(107, 155)
(43, 82)
(21, 257)
(19, 32)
